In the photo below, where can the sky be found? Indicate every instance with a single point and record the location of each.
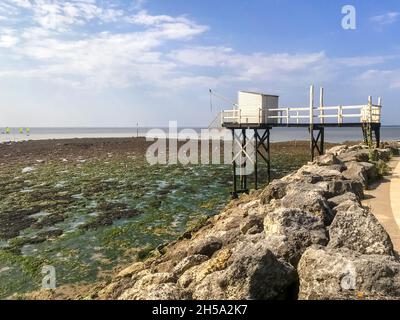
(119, 63)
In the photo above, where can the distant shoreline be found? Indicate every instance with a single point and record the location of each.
(334, 135)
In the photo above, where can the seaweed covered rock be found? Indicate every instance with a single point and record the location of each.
(331, 274)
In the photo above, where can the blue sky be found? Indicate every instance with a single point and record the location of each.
(116, 63)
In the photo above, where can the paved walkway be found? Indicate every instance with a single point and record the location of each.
(384, 201)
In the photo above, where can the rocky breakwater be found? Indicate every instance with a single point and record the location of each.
(305, 236)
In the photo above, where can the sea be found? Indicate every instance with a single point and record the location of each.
(335, 135)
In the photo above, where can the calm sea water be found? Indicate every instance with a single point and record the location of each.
(278, 134)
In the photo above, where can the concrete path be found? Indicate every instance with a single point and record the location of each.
(384, 201)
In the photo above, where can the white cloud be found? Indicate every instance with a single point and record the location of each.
(22, 3)
(381, 78)
(387, 18)
(52, 49)
(8, 41)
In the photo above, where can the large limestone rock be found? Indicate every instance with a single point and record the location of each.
(206, 246)
(357, 229)
(189, 262)
(328, 159)
(357, 172)
(359, 155)
(289, 232)
(275, 190)
(254, 273)
(335, 188)
(334, 202)
(309, 201)
(327, 274)
(363, 172)
(163, 291)
(314, 173)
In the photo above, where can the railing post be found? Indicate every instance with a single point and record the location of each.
(340, 115)
(370, 108)
(312, 105)
(287, 116)
(379, 109)
(321, 104)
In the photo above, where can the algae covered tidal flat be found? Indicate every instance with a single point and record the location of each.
(87, 206)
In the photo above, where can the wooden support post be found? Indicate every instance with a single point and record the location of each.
(263, 144)
(243, 175)
(268, 156)
(234, 192)
(322, 141)
(256, 159)
(317, 143)
(377, 131)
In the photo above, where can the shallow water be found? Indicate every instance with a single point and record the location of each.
(85, 218)
(336, 135)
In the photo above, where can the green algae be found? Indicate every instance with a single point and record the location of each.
(131, 208)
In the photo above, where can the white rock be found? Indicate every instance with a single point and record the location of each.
(27, 170)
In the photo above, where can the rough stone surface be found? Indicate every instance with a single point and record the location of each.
(254, 273)
(289, 232)
(358, 229)
(206, 246)
(348, 196)
(331, 274)
(188, 263)
(275, 190)
(360, 155)
(163, 291)
(310, 201)
(328, 160)
(357, 172)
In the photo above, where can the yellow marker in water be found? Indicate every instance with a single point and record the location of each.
(27, 130)
(21, 131)
(8, 130)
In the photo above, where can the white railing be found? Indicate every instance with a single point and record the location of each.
(369, 113)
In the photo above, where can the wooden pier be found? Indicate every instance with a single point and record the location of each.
(261, 114)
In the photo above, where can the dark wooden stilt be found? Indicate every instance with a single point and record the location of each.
(234, 192)
(263, 144)
(377, 130)
(256, 159)
(316, 143)
(243, 175)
